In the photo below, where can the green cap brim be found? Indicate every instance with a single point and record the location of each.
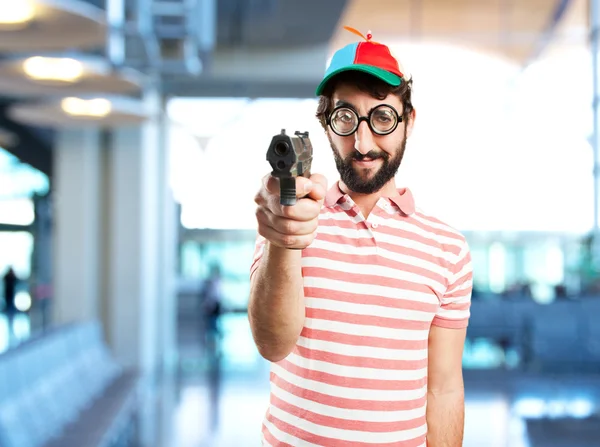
(380, 73)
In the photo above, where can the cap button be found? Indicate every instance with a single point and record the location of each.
(369, 35)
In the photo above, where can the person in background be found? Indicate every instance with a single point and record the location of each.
(10, 281)
(211, 307)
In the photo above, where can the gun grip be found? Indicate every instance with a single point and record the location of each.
(287, 191)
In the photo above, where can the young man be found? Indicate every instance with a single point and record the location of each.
(359, 300)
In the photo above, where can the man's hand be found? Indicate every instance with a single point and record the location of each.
(276, 306)
(290, 226)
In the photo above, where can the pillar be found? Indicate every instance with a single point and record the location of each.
(169, 231)
(115, 238)
(595, 49)
(76, 226)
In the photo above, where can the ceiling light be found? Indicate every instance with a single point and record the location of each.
(91, 108)
(53, 69)
(13, 13)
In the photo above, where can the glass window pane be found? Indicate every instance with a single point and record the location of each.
(17, 248)
(17, 211)
(18, 180)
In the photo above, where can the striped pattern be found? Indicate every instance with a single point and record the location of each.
(373, 288)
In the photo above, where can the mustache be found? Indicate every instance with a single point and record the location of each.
(372, 155)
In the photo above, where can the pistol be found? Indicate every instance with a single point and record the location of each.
(290, 156)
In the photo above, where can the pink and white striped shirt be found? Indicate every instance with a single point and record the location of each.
(357, 376)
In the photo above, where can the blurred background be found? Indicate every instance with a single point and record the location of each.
(133, 136)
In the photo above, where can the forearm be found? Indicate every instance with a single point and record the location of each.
(276, 305)
(445, 418)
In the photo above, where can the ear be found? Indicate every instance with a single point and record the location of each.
(411, 122)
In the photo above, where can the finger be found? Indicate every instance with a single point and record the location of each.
(319, 179)
(319, 188)
(316, 188)
(303, 186)
(260, 198)
(304, 210)
(285, 240)
(285, 225)
(262, 195)
(271, 184)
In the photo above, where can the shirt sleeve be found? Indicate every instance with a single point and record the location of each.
(454, 311)
(259, 248)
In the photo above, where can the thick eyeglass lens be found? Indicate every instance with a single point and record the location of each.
(383, 119)
(344, 121)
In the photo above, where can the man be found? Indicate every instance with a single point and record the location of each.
(10, 280)
(10, 289)
(359, 300)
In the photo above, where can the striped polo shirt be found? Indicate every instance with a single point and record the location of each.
(373, 287)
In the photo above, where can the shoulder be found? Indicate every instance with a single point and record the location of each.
(449, 236)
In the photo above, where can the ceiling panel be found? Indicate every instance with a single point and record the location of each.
(509, 28)
(280, 23)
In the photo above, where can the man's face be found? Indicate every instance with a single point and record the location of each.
(367, 161)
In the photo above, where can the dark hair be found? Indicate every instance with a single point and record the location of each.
(365, 83)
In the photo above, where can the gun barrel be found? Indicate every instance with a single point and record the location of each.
(281, 148)
(290, 156)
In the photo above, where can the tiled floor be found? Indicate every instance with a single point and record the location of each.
(11, 333)
(193, 408)
(494, 417)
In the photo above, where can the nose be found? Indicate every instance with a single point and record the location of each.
(364, 138)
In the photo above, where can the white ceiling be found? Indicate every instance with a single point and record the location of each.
(58, 25)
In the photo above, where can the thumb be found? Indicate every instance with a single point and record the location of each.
(319, 179)
(319, 187)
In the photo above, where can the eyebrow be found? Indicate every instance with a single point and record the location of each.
(342, 103)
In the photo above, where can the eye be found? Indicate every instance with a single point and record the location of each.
(344, 116)
(343, 121)
(384, 119)
(384, 116)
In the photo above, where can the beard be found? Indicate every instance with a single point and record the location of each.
(358, 179)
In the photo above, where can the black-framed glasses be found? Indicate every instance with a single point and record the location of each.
(382, 120)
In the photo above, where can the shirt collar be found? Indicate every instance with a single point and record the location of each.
(403, 198)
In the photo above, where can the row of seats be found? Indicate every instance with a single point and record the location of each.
(561, 432)
(563, 332)
(65, 389)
